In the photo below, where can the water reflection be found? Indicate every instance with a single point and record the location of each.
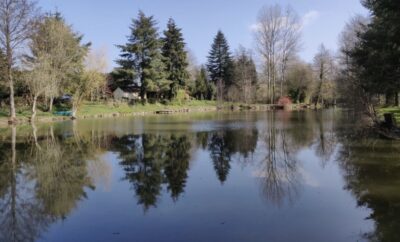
(279, 169)
(372, 174)
(151, 160)
(47, 171)
(42, 179)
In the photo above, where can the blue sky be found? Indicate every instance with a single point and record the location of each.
(105, 22)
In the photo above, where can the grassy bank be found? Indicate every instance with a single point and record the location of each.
(95, 109)
(394, 110)
(99, 110)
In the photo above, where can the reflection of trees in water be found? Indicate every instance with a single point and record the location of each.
(372, 174)
(60, 175)
(220, 155)
(279, 172)
(326, 142)
(41, 181)
(151, 160)
(21, 217)
(177, 165)
(224, 144)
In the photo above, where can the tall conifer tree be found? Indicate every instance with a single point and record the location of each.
(175, 57)
(377, 55)
(220, 65)
(141, 57)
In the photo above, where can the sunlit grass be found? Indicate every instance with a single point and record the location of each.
(96, 108)
(394, 110)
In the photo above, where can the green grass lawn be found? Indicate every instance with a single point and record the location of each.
(394, 110)
(123, 108)
(95, 108)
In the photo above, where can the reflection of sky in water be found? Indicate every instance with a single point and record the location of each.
(275, 183)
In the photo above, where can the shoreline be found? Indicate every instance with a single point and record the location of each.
(26, 120)
(163, 110)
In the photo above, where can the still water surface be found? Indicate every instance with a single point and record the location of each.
(257, 176)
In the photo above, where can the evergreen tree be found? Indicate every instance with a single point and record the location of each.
(141, 57)
(220, 64)
(175, 57)
(377, 55)
(201, 85)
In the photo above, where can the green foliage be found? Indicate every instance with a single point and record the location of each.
(181, 97)
(377, 55)
(299, 83)
(175, 57)
(202, 90)
(220, 65)
(141, 56)
(55, 43)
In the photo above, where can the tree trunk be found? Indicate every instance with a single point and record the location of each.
(51, 104)
(34, 131)
(74, 111)
(34, 109)
(13, 118)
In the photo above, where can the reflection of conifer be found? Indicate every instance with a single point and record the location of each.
(202, 139)
(177, 164)
(147, 178)
(220, 156)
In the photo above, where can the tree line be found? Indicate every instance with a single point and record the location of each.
(370, 58)
(42, 57)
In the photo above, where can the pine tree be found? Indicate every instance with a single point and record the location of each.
(377, 55)
(175, 57)
(220, 64)
(201, 84)
(141, 57)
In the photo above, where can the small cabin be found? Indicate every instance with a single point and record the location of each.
(128, 93)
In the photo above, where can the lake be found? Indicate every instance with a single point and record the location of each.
(227, 176)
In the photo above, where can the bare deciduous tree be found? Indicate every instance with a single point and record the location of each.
(16, 20)
(245, 76)
(96, 66)
(324, 71)
(349, 84)
(277, 35)
(38, 79)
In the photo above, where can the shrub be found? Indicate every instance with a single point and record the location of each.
(285, 101)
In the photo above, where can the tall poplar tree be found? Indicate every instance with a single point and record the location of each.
(175, 57)
(201, 90)
(220, 65)
(141, 57)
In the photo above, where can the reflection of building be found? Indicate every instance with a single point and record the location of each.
(127, 93)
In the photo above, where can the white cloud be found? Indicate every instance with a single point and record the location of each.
(254, 27)
(307, 19)
(310, 17)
